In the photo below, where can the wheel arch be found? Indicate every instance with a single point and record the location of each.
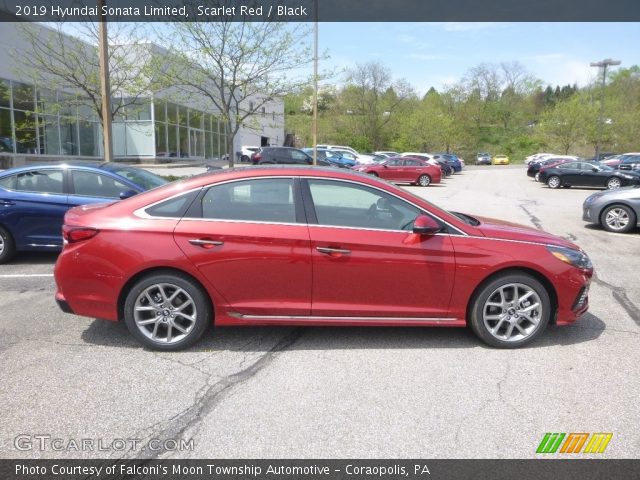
(122, 296)
(616, 203)
(546, 283)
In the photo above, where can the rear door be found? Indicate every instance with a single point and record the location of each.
(33, 207)
(249, 238)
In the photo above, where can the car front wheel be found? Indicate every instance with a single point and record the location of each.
(618, 218)
(554, 181)
(167, 311)
(510, 311)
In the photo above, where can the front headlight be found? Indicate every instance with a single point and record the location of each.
(575, 258)
(592, 198)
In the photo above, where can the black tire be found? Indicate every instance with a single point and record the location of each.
(489, 289)
(424, 180)
(621, 211)
(200, 309)
(554, 181)
(7, 246)
(244, 158)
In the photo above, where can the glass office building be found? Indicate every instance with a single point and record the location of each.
(37, 121)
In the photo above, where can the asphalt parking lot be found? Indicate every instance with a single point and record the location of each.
(332, 392)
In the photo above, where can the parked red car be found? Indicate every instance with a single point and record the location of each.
(287, 245)
(404, 170)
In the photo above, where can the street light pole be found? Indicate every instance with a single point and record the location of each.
(105, 87)
(607, 62)
(315, 88)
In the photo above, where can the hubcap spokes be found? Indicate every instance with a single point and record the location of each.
(165, 313)
(512, 312)
(1, 245)
(617, 219)
(615, 183)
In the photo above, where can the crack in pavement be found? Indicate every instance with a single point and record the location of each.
(535, 220)
(211, 394)
(620, 295)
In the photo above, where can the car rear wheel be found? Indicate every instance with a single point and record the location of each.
(613, 183)
(167, 311)
(424, 180)
(554, 181)
(510, 311)
(7, 246)
(618, 218)
(537, 177)
(244, 158)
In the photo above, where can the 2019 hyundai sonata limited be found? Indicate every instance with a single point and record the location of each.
(311, 246)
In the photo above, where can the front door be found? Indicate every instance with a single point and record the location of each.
(367, 262)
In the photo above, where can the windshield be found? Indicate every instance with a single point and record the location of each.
(145, 179)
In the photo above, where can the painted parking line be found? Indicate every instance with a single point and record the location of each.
(28, 275)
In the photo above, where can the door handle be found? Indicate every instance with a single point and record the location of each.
(6, 202)
(336, 252)
(200, 242)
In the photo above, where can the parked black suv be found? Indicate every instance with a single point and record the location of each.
(284, 155)
(630, 162)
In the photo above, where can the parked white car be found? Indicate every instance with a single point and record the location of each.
(339, 147)
(538, 157)
(246, 152)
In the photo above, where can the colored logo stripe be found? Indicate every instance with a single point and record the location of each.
(574, 443)
(598, 442)
(550, 443)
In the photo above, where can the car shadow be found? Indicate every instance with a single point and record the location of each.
(252, 339)
(35, 258)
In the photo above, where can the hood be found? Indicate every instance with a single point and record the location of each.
(495, 228)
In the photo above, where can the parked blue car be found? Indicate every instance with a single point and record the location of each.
(34, 199)
(453, 161)
(334, 158)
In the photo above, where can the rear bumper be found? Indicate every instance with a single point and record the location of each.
(62, 303)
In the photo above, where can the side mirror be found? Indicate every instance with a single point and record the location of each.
(425, 225)
(127, 194)
(595, 169)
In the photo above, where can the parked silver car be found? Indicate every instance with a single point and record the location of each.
(616, 210)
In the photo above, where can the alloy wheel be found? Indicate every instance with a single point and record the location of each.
(553, 182)
(614, 183)
(617, 219)
(165, 313)
(424, 180)
(512, 312)
(1, 244)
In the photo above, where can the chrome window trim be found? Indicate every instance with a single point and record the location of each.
(141, 212)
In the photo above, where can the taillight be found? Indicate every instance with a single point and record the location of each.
(73, 234)
(257, 157)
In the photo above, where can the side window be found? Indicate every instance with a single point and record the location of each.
(395, 162)
(174, 207)
(258, 200)
(345, 204)
(9, 182)
(299, 157)
(93, 184)
(412, 163)
(569, 166)
(40, 181)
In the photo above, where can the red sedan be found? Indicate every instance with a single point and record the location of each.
(404, 170)
(285, 246)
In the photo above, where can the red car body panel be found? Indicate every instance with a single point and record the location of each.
(274, 270)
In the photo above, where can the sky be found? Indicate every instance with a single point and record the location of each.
(438, 54)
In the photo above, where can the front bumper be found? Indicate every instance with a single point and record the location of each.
(62, 303)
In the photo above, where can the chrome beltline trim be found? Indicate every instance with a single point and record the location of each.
(527, 242)
(295, 318)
